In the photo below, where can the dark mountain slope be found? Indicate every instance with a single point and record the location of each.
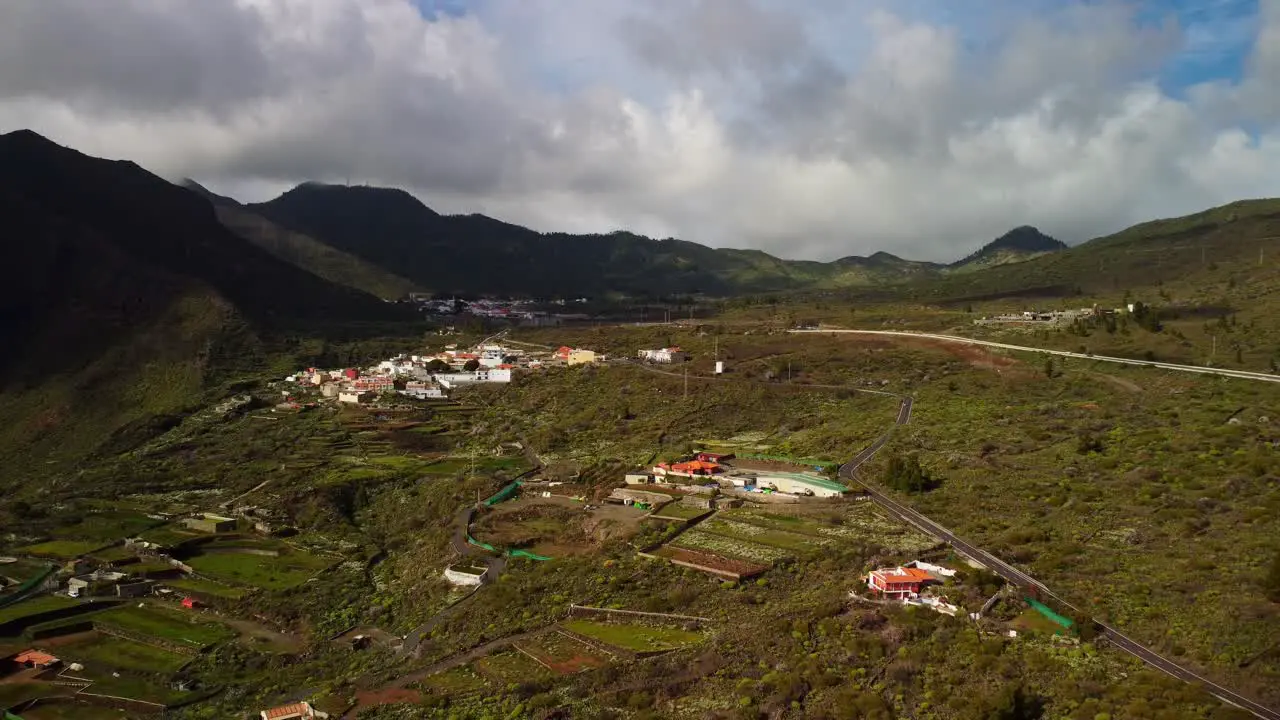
(305, 251)
(478, 254)
(155, 222)
(129, 304)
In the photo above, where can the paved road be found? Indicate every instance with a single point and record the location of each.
(848, 471)
(1221, 372)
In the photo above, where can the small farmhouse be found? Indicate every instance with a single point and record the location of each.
(356, 397)
(664, 355)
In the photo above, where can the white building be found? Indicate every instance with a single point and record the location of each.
(664, 355)
(422, 390)
(465, 575)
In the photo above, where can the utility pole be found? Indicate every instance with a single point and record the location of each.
(715, 353)
(686, 383)
(788, 371)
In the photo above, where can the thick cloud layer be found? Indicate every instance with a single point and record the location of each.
(816, 129)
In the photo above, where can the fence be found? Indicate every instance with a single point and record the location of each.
(26, 587)
(504, 494)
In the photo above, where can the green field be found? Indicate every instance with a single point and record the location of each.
(165, 624)
(635, 637)
(107, 526)
(168, 535)
(63, 549)
(207, 587)
(266, 572)
(681, 511)
(122, 654)
(35, 606)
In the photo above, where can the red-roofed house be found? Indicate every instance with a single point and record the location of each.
(35, 659)
(190, 603)
(293, 711)
(351, 373)
(688, 469)
(899, 583)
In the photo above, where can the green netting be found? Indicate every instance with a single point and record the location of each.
(1045, 611)
(26, 587)
(505, 493)
(525, 554)
(486, 546)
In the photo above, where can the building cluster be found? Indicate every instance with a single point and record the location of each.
(523, 312)
(721, 470)
(1054, 317)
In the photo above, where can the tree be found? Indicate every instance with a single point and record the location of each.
(1048, 367)
(471, 365)
(905, 474)
(1089, 443)
(437, 366)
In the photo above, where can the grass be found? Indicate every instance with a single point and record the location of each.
(63, 549)
(753, 533)
(207, 587)
(169, 535)
(36, 606)
(635, 637)
(269, 573)
(681, 511)
(122, 654)
(742, 549)
(165, 624)
(107, 526)
(511, 667)
(14, 693)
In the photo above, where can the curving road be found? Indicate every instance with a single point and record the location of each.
(1221, 372)
(848, 472)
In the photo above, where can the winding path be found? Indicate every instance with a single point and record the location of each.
(1221, 372)
(848, 471)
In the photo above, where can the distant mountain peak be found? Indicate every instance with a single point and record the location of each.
(383, 199)
(1021, 243)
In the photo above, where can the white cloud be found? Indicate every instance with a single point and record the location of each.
(741, 123)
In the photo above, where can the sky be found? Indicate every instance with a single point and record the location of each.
(810, 129)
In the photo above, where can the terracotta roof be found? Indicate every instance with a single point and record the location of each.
(903, 575)
(288, 711)
(695, 465)
(35, 657)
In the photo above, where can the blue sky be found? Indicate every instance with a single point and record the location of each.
(1216, 35)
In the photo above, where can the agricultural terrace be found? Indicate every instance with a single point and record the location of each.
(249, 566)
(63, 549)
(103, 526)
(635, 637)
(165, 624)
(203, 587)
(122, 654)
(556, 526)
(511, 667)
(563, 654)
(455, 681)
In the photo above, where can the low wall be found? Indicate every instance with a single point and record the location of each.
(773, 498)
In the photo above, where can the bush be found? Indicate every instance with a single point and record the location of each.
(905, 474)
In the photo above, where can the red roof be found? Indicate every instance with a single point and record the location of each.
(34, 657)
(903, 575)
(190, 602)
(505, 366)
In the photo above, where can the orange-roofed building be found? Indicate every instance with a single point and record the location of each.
(688, 469)
(900, 582)
(293, 711)
(35, 659)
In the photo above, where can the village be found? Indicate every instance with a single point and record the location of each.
(113, 612)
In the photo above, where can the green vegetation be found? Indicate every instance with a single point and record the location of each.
(36, 606)
(124, 654)
(165, 624)
(512, 667)
(207, 587)
(904, 474)
(290, 569)
(635, 637)
(62, 549)
(457, 681)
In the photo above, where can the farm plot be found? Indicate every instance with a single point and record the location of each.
(63, 549)
(564, 655)
(511, 667)
(861, 524)
(634, 636)
(36, 606)
(115, 652)
(680, 511)
(732, 568)
(757, 533)
(698, 539)
(207, 587)
(163, 624)
(269, 572)
(456, 681)
(106, 527)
